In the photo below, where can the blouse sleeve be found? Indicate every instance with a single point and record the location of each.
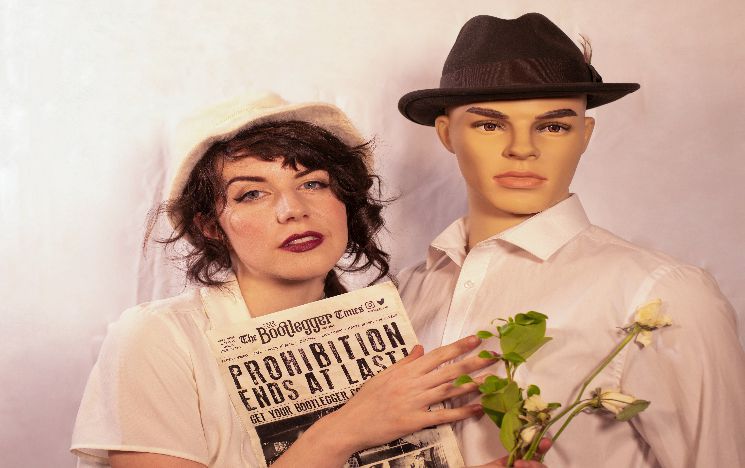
(693, 373)
(141, 395)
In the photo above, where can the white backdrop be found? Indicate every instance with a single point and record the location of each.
(89, 86)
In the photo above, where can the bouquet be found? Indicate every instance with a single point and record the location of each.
(522, 415)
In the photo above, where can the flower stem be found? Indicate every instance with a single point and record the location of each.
(569, 418)
(629, 336)
(534, 444)
(578, 405)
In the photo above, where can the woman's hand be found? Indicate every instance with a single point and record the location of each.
(396, 402)
(543, 447)
(392, 404)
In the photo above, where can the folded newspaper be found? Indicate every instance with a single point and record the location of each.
(286, 370)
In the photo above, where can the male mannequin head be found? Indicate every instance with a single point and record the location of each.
(511, 107)
(517, 157)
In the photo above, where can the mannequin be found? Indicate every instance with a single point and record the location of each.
(511, 108)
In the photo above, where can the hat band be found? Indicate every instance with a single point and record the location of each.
(519, 72)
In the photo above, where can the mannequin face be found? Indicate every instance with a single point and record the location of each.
(517, 157)
(282, 224)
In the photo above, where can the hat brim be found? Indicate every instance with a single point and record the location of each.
(424, 106)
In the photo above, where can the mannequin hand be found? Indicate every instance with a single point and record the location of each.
(395, 402)
(543, 447)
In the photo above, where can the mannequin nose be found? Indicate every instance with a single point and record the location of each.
(290, 207)
(521, 146)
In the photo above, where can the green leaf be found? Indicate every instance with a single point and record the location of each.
(518, 338)
(503, 400)
(509, 429)
(495, 416)
(483, 334)
(488, 355)
(513, 358)
(524, 339)
(492, 384)
(537, 315)
(529, 352)
(553, 406)
(506, 328)
(462, 380)
(524, 319)
(632, 409)
(533, 390)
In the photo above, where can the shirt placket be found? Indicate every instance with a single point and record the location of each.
(470, 279)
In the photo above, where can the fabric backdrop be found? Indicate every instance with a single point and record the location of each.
(91, 88)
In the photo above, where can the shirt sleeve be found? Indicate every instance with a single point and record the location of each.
(693, 373)
(141, 395)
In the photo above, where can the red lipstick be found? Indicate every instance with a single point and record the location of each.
(519, 180)
(302, 242)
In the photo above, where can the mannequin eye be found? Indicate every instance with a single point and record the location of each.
(488, 126)
(554, 127)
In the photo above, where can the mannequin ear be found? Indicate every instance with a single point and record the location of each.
(442, 126)
(589, 127)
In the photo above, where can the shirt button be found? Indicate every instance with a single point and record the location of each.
(468, 284)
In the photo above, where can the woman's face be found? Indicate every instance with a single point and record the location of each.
(284, 225)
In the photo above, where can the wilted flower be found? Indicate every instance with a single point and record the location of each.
(644, 338)
(615, 401)
(535, 403)
(528, 434)
(649, 315)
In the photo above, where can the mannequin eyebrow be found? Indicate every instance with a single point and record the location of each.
(495, 114)
(555, 114)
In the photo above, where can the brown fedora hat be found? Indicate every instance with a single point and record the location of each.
(495, 59)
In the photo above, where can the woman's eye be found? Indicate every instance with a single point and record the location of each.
(250, 195)
(315, 185)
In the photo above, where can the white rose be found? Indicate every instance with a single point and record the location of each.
(535, 403)
(528, 434)
(614, 401)
(644, 338)
(649, 315)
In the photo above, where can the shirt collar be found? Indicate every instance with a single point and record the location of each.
(224, 305)
(540, 235)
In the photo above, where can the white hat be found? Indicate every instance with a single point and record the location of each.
(195, 135)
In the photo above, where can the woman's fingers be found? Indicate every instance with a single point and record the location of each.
(449, 415)
(450, 372)
(544, 446)
(395, 402)
(443, 354)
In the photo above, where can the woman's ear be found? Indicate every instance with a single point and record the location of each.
(209, 227)
(442, 126)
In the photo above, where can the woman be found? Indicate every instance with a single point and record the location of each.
(270, 197)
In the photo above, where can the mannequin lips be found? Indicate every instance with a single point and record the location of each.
(519, 180)
(302, 242)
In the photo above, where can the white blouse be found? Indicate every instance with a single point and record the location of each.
(156, 386)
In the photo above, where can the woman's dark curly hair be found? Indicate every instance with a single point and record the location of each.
(298, 144)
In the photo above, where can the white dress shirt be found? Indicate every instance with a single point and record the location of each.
(589, 283)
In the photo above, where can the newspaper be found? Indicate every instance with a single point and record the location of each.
(286, 370)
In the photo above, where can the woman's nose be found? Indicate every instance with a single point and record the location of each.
(290, 207)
